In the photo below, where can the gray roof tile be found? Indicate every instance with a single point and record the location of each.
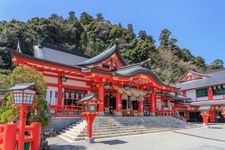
(214, 78)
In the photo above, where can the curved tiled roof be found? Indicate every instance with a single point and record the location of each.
(134, 69)
(103, 55)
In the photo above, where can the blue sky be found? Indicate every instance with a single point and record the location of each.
(199, 25)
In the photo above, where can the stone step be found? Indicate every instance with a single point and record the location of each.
(121, 128)
(104, 127)
(71, 135)
(71, 138)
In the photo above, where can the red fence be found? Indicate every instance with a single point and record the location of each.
(66, 111)
(9, 136)
(1, 135)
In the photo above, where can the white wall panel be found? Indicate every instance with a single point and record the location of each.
(202, 98)
(52, 94)
(191, 94)
(218, 97)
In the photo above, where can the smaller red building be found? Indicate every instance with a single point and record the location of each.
(207, 91)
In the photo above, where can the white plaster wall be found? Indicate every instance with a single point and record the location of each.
(202, 98)
(51, 79)
(218, 97)
(158, 103)
(191, 94)
(51, 99)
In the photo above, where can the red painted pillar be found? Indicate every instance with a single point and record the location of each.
(118, 104)
(36, 135)
(210, 93)
(212, 116)
(153, 103)
(59, 100)
(140, 108)
(101, 93)
(184, 93)
(9, 137)
(22, 123)
(89, 117)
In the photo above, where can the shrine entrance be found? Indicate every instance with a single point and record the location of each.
(110, 104)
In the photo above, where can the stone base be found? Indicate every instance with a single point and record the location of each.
(90, 140)
(118, 114)
(140, 114)
(101, 113)
(152, 114)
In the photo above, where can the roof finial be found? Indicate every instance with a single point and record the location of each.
(18, 47)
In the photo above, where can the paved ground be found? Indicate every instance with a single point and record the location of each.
(203, 138)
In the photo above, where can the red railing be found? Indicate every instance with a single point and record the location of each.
(66, 111)
(9, 136)
(1, 135)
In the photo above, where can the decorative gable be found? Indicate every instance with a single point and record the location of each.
(108, 60)
(189, 76)
(109, 64)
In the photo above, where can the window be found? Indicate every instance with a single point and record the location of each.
(201, 92)
(218, 91)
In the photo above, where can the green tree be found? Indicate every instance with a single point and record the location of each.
(216, 64)
(165, 38)
(26, 75)
(142, 35)
(72, 16)
(85, 18)
(99, 17)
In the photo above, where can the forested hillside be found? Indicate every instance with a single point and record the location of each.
(92, 34)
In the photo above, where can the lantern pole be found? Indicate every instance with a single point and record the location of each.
(22, 123)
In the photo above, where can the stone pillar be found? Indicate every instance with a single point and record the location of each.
(118, 104)
(153, 103)
(140, 108)
(101, 95)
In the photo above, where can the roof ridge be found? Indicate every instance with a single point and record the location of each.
(214, 71)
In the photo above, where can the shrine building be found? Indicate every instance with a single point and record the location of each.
(207, 92)
(125, 90)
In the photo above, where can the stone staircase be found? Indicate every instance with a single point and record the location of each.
(104, 127)
(74, 132)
